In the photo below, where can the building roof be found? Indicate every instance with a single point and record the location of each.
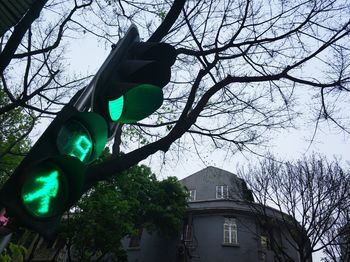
(205, 181)
(210, 170)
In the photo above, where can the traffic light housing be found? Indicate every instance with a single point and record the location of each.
(131, 90)
(83, 135)
(51, 178)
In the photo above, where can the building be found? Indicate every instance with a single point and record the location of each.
(221, 224)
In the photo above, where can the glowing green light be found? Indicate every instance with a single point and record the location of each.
(136, 104)
(74, 139)
(82, 147)
(116, 108)
(46, 189)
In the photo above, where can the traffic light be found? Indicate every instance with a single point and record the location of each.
(132, 89)
(52, 185)
(51, 178)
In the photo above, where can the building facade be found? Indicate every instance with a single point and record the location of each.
(220, 225)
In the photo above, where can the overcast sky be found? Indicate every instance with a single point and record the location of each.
(86, 55)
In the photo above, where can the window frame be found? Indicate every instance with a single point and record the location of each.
(193, 195)
(264, 241)
(188, 233)
(230, 232)
(220, 192)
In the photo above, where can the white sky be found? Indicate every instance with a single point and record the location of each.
(87, 55)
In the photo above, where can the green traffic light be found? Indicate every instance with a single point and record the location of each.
(116, 108)
(136, 104)
(83, 136)
(75, 140)
(82, 147)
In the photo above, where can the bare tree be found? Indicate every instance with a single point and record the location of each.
(241, 66)
(14, 143)
(314, 196)
(339, 250)
(30, 64)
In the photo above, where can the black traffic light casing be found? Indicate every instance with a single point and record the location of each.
(43, 156)
(132, 87)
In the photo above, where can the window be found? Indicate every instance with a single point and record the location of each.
(230, 231)
(221, 192)
(192, 196)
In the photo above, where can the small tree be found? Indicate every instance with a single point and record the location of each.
(122, 206)
(13, 252)
(313, 193)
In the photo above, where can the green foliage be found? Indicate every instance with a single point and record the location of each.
(132, 200)
(162, 14)
(13, 252)
(13, 139)
(167, 206)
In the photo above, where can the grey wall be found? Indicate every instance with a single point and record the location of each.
(209, 232)
(154, 247)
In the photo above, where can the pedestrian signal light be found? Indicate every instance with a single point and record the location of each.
(83, 136)
(44, 191)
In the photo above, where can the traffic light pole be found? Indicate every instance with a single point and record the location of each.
(4, 240)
